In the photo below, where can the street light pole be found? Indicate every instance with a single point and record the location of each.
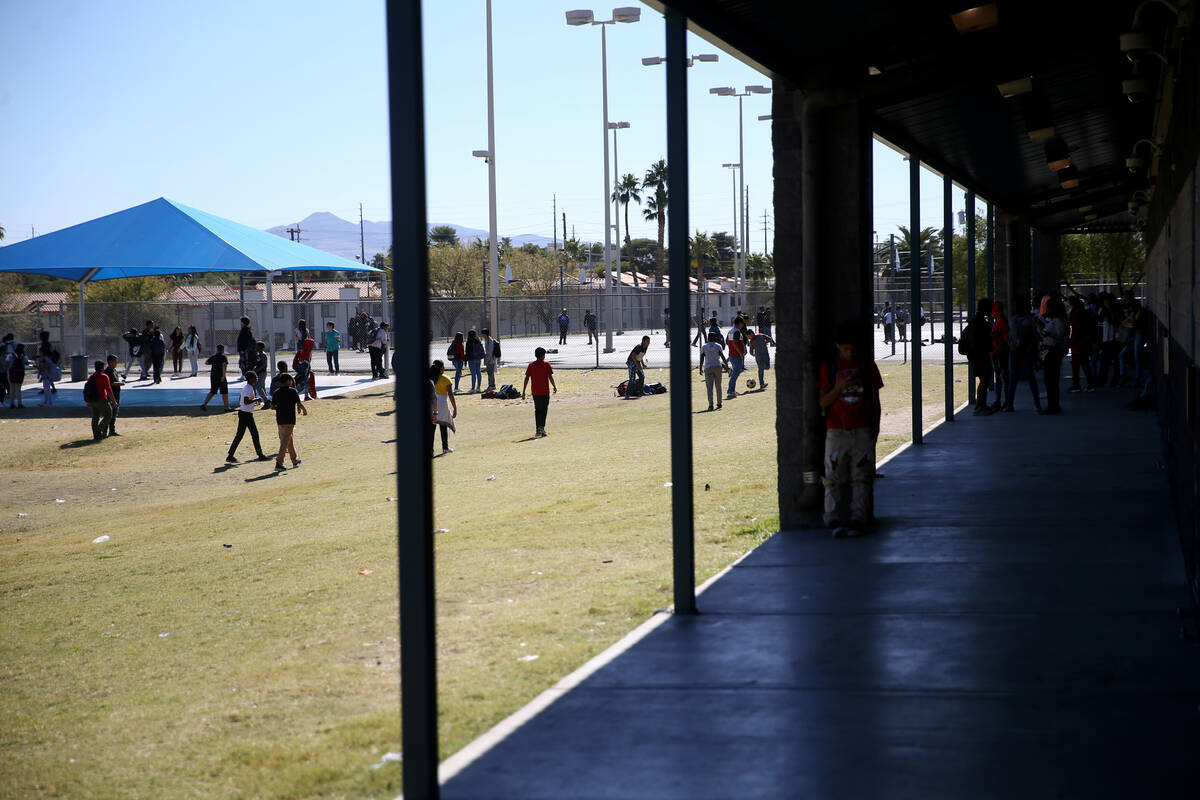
(614, 127)
(729, 91)
(585, 17)
(733, 173)
(493, 247)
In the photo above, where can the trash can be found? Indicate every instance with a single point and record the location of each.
(79, 368)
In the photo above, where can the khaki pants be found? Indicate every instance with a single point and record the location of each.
(101, 417)
(285, 443)
(712, 382)
(849, 459)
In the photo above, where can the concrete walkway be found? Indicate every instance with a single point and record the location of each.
(1009, 631)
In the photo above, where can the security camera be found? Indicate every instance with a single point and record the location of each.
(1136, 90)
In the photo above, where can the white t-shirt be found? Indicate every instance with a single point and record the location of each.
(246, 402)
(710, 355)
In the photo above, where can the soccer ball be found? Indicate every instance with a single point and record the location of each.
(750, 384)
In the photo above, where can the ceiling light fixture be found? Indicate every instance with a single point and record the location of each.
(1086, 209)
(1041, 134)
(1017, 87)
(1089, 217)
(972, 20)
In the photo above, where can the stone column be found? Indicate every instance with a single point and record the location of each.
(1014, 266)
(1049, 258)
(823, 209)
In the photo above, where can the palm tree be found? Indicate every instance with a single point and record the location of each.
(702, 249)
(1, 231)
(627, 189)
(927, 238)
(656, 206)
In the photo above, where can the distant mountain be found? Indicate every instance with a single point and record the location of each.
(333, 234)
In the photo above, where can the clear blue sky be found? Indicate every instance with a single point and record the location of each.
(265, 112)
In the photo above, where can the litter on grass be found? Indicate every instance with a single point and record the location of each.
(390, 499)
(100, 539)
(59, 500)
(668, 485)
(530, 657)
(491, 477)
(163, 635)
(388, 758)
(365, 571)
(21, 514)
(442, 530)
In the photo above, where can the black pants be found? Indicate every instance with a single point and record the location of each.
(541, 404)
(112, 418)
(158, 365)
(331, 360)
(445, 435)
(1021, 365)
(562, 334)
(376, 362)
(1052, 372)
(246, 423)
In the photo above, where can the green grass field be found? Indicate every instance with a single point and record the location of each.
(163, 663)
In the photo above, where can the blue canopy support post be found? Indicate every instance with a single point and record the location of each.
(682, 524)
(970, 203)
(948, 290)
(914, 275)
(241, 294)
(82, 333)
(268, 326)
(414, 442)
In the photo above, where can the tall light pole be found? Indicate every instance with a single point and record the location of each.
(733, 173)
(614, 127)
(489, 156)
(729, 91)
(585, 17)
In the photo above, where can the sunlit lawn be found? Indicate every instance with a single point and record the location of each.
(164, 663)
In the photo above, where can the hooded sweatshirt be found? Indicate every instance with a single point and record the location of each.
(999, 329)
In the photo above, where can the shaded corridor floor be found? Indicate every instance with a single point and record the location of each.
(1009, 631)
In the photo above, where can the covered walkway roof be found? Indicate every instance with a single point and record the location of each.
(936, 91)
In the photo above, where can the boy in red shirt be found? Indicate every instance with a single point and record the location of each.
(849, 392)
(542, 375)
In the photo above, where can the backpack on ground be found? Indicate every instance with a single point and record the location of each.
(90, 392)
(507, 392)
(654, 388)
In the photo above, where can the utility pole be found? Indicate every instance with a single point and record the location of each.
(564, 229)
(294, 233)
(765, 250)
(554, 223)
(362, 239)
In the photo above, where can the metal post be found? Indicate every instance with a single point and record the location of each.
(383, 298)
(991, 252)
(970, 206)
(740, 243)
(914, 274)
(241, 294)
(493, 247)
(414, 487)
(268, 326)
(948, 290)
(619, 298)
(212, 325)
(682, 538)
(608, 276)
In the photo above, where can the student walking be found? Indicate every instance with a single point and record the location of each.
(98, 394)
(712, 364)
(133, 338)
(457, 353)
(333, 346)
(737, 355)
(564, 322)
(49, 372)
(760, 347)
(445, 410)
(217, 382)
(849, 393)
(541, 374)
(191, 346)
(286, 401)
(250, 401)
(116, 384)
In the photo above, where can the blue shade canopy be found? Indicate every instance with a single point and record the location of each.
(163, 237)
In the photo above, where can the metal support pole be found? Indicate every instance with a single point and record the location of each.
(241, 294)
(1033, 263)
(493, 246)
(608, 276)
(383, 298)
(991, 252)
(948, 291)
(914, 274)
(970, 206)
(268, 326)
(414, 484)
(682, 537)
(740, 246)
